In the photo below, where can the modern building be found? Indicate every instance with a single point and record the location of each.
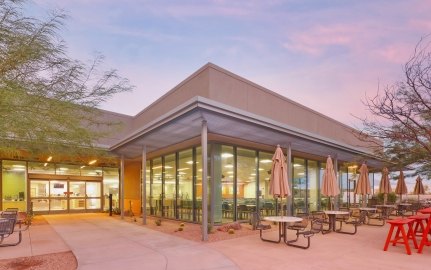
(214, 125)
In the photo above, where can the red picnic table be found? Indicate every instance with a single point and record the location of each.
(405, 237)
(425, 232)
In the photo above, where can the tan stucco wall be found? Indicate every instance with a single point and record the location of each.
(189, 88)
(232, 90)
(132, 182)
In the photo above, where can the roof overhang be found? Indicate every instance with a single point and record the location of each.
(185, 122)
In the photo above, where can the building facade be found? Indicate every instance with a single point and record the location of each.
(216, 126)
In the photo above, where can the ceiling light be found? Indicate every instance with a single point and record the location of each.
(260, 169)
(265, 161)
(253, 174)
(46, 164)
(18, 166)
(168, 167)
(82, 167)
(183, 169)
(49, 158)
(297, 165)
(92, 162)
(189, 162)
(228, 166)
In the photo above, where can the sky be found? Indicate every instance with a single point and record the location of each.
(326, 55)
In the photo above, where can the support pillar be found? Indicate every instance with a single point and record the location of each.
(204, 145)
(144, 185)
(122, 187)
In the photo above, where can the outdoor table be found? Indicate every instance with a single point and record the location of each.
(282, 221)
(386, 208)
(405, 237)
(332, 215)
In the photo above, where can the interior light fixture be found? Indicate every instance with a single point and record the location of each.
(92, 162)
(82, 167)
(189, 162)
(46, 164)
(228, 166)
(265, 161)
(297, 165)
(49, 158)
(226, 155)
(260, 169)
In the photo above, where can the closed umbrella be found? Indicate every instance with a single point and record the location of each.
(401, 186)
(385, 185)
(330, 185)
(363, 186)
(279, 186)
(419, 187)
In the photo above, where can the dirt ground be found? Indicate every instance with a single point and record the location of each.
(53, 261)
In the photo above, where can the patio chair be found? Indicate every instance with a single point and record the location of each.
(256, 222)
(300, 228)
(355, 221)
(320, 218)
(378, 216)
(7, 228)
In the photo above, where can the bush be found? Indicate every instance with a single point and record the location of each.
(392, 197)
(158, 222)
(231, 231)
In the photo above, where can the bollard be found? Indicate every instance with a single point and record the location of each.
(110, 204)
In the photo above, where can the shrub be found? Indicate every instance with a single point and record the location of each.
(158, 222)
(231, 231)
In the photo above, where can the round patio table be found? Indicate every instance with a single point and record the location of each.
(282, 221)
(332, 215)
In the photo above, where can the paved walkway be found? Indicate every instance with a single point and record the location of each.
(100, 242)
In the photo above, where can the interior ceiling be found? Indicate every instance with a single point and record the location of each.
(189, 125)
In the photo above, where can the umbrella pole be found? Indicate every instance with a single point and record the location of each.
(385, 198)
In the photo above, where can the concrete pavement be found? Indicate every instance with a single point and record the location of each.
(100, 242)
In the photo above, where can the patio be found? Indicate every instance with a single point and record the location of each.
(98, 240)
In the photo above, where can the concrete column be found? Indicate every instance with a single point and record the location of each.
(212, 188)
(122, 187)
(144, 185)
(204, 145)
(290, 178)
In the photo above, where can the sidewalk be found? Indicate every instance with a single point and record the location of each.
(39, 239)
(101, 242)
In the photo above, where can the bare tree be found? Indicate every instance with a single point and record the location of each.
(48, 101)
(401, 114)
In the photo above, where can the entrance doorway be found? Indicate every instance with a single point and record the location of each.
(66, 196)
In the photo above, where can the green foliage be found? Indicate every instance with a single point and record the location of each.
(392, 198)
(48, 101)
(158, 222)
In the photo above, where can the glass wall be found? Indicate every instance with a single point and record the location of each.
(228, 174)
(14, 185)
(266, 202)
(169, 187)
(185, 184)
(313, 199)
(111, 185)
(246, 183)
(299, 185)
(156, 186)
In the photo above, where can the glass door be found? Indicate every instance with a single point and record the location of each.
(77, 195)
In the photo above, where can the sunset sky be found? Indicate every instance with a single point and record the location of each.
(327, 55)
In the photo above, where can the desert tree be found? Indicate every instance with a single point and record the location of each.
(48, 100)
(400, 115)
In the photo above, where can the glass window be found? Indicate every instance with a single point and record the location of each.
(170, 183)
(185, 184)
(246, 183)
(313, 185)
(91, 171)
(111, 183)
(324, 201)
(93, 203)
(66, 169)
(156, 186)
(299, 185)
(93, 189)
(14, 184)
(227, 181)
(267, 203)
(39, 188)
(77, 204)
(58, 188)
(148, 188)
(58, 204)
(41, 168)
(40, 204)
(77, 189)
